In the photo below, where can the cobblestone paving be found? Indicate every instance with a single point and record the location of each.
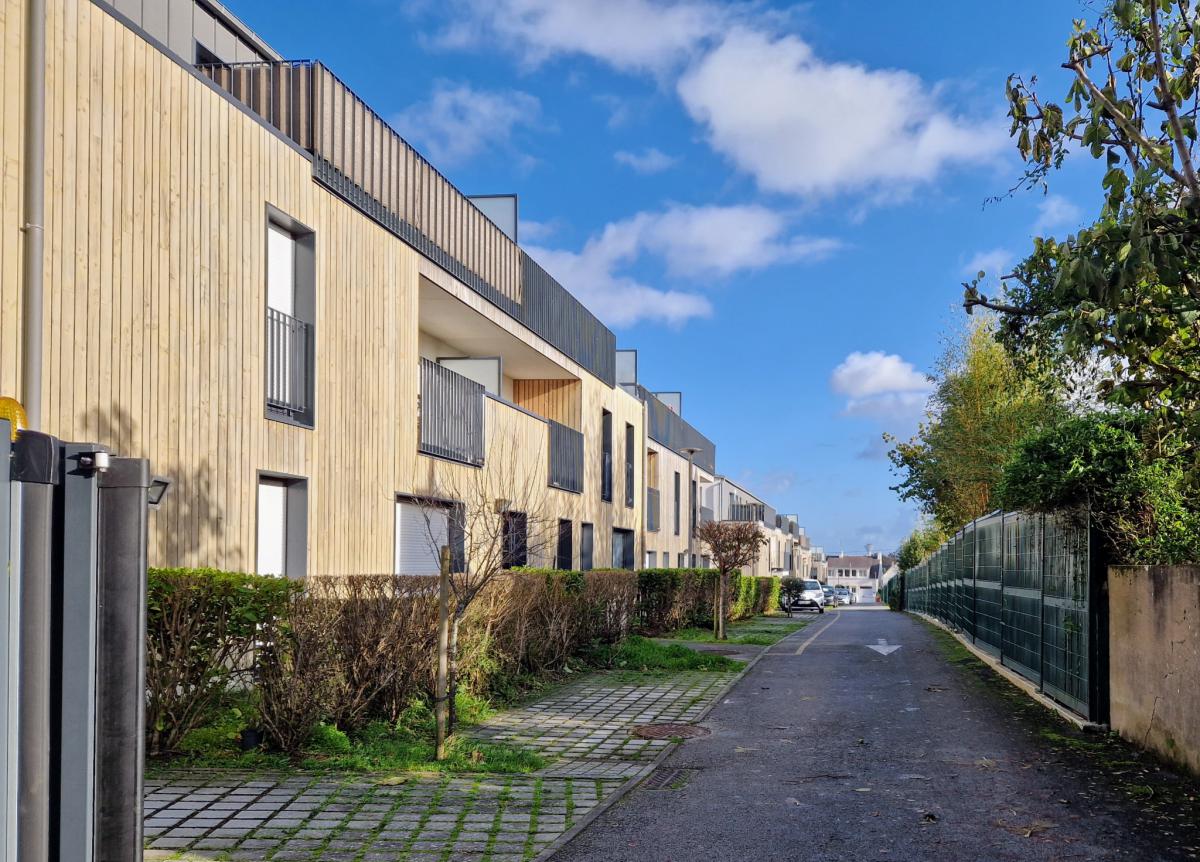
(584, 728)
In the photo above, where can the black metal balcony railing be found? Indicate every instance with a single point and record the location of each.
(358, 155)
(653, 510)
(746, 512)
(289, 365)
(566, 458)
(451, 415)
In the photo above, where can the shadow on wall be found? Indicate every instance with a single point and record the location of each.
(190, 522)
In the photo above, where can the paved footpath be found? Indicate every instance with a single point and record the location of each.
(829, 750)
(584, 729)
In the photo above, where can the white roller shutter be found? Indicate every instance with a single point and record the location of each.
(420, 534)
(272, 527)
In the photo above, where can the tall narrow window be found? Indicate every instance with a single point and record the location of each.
(290, 315)
(692, 510)
(586, 562)
(622, 549)
(606, 456)
(282, 527)
(515, 538)
(564, 554)
(629, 446)
(677, 504)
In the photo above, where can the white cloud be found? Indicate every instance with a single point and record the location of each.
(649, 161)
(1055, 211)
(875, 373)
(629, 35)
(693, 242)
(528, 229)
(458, 122)
(812, 128)
(995, 263)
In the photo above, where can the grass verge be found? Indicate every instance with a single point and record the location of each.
(759, 631)
(407, 746)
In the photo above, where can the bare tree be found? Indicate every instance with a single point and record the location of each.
(492, 518)
(733, 545)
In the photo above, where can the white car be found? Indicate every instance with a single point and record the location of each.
(812, 596)
(843, 595)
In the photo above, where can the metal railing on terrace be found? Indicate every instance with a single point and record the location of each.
(289, 385)
(360, 157)
(653, 510)
(746, 512)
(451, 415)
(566, 458)
(706, 515)
(1028, 589)
(665, 426)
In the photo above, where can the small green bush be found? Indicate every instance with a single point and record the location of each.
(201, 629)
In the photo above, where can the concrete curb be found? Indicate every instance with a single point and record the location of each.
(1011, 676)
(632, 783)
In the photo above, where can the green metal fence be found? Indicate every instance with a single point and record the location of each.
(1028, 589)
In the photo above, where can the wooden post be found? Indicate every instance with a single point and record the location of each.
(441, 706)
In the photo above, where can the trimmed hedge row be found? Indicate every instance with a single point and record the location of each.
(352, 650)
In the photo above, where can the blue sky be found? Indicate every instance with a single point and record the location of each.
(775, 204)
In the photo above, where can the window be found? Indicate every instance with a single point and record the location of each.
(585, 547)
(692, 509)
(514, 534)
(282, 526)
(290, 317)
(564, 555)
(705, 562)
(629, 446)
(606, 453)
(677, 506)
(651, 468)
(680, 559)
(421, 530)
(651, 559)
(622, 549)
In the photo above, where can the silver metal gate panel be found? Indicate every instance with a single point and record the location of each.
(9, 601)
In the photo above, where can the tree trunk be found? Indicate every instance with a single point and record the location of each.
(443, 666)
(717, 607)
(724, 579)
(453, 687)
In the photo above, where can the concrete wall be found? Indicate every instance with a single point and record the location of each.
(1154, 631)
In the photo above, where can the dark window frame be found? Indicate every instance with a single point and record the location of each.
(587, 547)
(630, 445)
(564, 552)
(678, 502)
(606, 456)
(304, 274)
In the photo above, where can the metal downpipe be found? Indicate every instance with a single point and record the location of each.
(33, 224)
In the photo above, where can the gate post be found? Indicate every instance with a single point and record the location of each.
(121, 659)
(35, 466)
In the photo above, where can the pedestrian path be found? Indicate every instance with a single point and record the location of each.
(585, 729)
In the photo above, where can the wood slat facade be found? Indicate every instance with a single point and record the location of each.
(158, 188)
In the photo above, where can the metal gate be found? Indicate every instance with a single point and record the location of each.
(1029, 589)
(73, 521)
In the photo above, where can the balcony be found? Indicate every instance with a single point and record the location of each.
(451, 415)
(653, 510)
(706, 515)
(752, 512)
(359, 157)
(289, 384)
(566, 458)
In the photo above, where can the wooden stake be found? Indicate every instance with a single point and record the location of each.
(441, 695)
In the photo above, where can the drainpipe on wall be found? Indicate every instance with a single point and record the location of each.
(34, 181)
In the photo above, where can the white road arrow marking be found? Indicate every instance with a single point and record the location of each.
(882, 647)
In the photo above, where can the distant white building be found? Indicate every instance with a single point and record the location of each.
(861, 574)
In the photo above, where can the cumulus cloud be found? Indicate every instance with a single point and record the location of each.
(880, 385)
(458, 122)
(629, 35)
(995, 263)
(649, 161)
(1055, 212)
(812, 128)
(692, 242)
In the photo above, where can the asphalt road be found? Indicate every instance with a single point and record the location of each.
(829, 750)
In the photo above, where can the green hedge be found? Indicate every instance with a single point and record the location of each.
(355, 650)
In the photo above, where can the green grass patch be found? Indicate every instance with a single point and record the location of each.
(642, 655)
(758, 631)
(406, 746)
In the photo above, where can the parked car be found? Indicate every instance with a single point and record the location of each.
(830, 594)
(843, 595)
(803, 595)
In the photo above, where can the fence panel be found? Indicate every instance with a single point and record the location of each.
(1023, 588)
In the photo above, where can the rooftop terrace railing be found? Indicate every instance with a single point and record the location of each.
(360, 157)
